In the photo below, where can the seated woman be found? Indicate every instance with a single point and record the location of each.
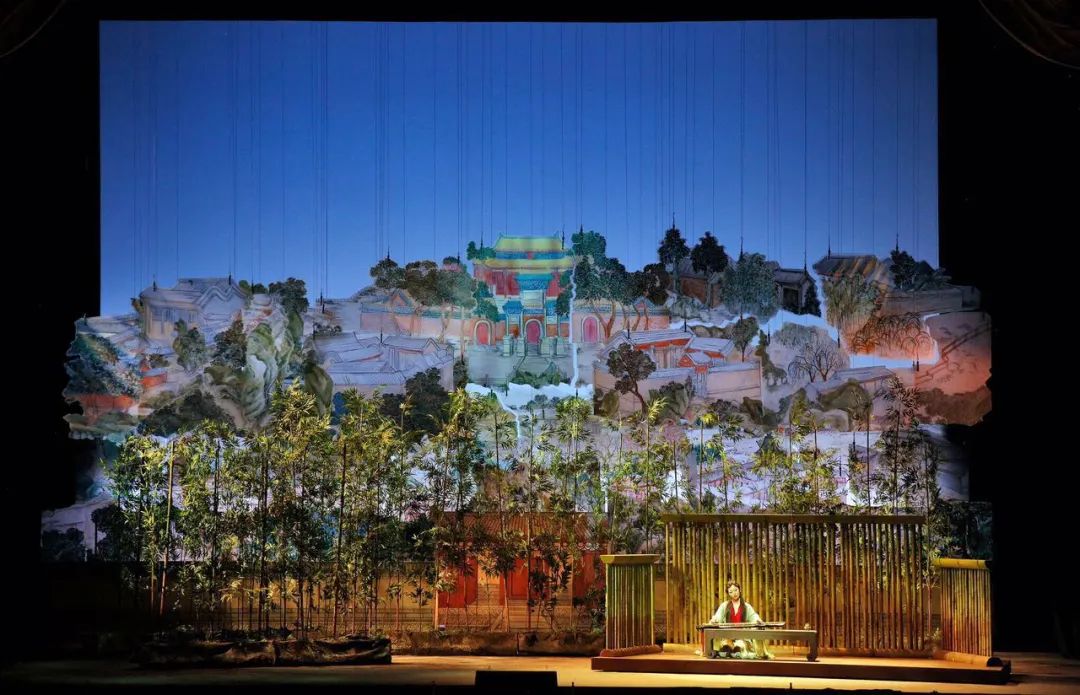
(735, 610)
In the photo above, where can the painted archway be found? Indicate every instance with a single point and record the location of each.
(482, 333)
(532, 332)
(590, 330)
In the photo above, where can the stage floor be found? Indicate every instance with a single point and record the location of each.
(793, 664)
(1032, 674)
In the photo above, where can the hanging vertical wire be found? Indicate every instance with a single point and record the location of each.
(460, 135)
(532, 111)
(281, 143)
(434, 138)
(805, 171)
(257, 70)
(712, 131)
(253, 256)
(483, 116)
(314, 139)
(607, 228)
(840, 141)
(631, 251)
(234, 108)
(404, 151)
(742, 136)
(543, 133)
(691, 140)
(873, 138)
(580, 131)
(562, 129)
(152, 98)
(640, 139)
(896, 116)
(778, 190)
(658, 149)
(851, 126)
(489, 74)
(769, 29)
(176, 123)
(136, 52)
(325, 155)
(915, 138)
(830, 131)
(506, 130)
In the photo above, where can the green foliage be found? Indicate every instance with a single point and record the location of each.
(63, 546)
(183, 413)
(709, 257)
(849, 302)
(745, 330)
(674, 399)
(473, 253)
(230, 346)
(423, 404)
(95, 367)
(317, 382)
(114, 542)
(551, 375)
(749, 287)
(388, 275)
(292, 294)
(629, 366)
(811, 304)
(484, 308)
(189, 346)
(673, 250)
(910, 275)
(461, 374)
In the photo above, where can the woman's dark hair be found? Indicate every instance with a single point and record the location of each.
(731, 583)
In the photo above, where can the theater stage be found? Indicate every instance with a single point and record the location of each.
(794, 664)
(1032, 674)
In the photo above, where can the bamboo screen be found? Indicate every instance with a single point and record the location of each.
(858, 580)
(965, 606)
(629, 600)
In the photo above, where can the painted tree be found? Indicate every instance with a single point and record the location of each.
(230, 346)
(292, 293)
(672, 251)
(849, 302)
(599, 279)
(388, 275)
(189, 346)
(817, 358)
(709, 257)
(729, 429)
(743, 332)
(630, 366)
(650, 283)
(900, 444)
(138, 481)
(749, 287)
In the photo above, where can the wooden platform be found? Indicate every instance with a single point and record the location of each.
(796, 666)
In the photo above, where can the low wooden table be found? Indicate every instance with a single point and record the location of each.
(752, 632)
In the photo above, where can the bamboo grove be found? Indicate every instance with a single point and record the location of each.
(325, 519)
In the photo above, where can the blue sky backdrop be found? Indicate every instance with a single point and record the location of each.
(276, 149)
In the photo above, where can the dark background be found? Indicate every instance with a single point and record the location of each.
(1008, 122)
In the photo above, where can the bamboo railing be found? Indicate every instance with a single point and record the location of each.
(965, 606)
(858, 580)
(629, 604)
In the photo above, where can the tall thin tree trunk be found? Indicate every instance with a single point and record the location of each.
(168, 535)
(341, 522)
